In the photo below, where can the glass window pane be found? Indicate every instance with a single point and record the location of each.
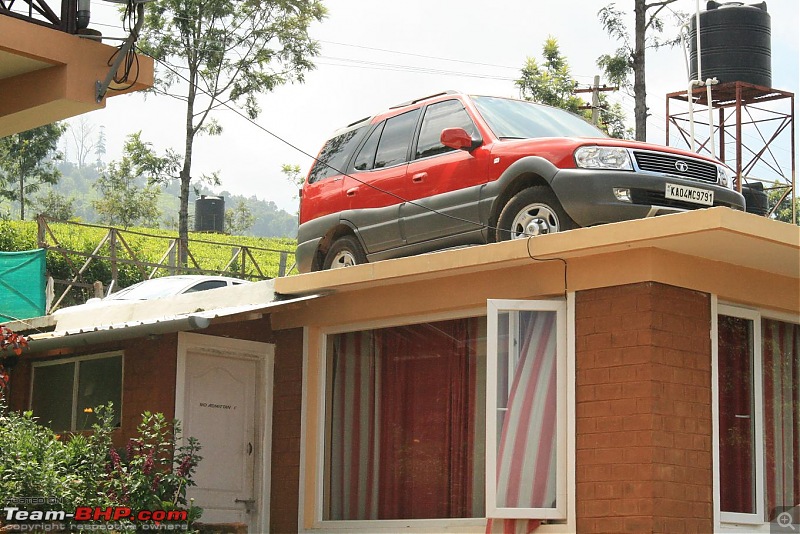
(447, 114)
(736, 415)
(404, 407)
(335, 154)
(527, 438)
(100, 382)
(52, 395)
(781, 379)
(365, 159)
(396, 137)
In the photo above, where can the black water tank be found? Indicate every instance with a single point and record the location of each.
(209, 214)
(734, 42)
(755, 198)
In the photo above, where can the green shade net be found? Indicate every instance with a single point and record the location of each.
(22, 284)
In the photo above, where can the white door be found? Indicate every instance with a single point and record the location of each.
(224, 394)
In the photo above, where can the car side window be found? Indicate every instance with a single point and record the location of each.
(365, 160)
(447, 114)
(206, 285)
(333, 157)
(395, 139)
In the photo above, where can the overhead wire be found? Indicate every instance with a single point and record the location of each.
(338, 171)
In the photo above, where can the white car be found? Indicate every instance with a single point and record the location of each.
(157, 288)
(166, 286)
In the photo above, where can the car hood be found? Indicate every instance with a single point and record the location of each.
(559, 150)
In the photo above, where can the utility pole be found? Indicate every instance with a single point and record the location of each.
(595, 106)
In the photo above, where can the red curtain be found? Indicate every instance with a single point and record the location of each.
(402, 422)
(736, 415)
(781, 363)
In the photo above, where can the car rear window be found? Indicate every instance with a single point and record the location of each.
(333, 157)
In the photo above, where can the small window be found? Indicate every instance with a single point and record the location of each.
(526, 403)
(65, 393)
(395, 140)
(447, 114)
(365, 160)
(334, 156)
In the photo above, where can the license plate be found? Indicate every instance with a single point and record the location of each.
(689, 194)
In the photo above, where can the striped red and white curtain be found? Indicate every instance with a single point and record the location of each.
(526, 459)
(781, 384)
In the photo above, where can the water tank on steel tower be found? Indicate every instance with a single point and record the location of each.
(734, 42)
(209, 214)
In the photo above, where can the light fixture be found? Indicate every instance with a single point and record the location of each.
(623, 194)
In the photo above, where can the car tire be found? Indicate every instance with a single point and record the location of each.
(531, 212)
(345, 252)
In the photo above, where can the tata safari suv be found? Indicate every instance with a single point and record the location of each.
(452, 169)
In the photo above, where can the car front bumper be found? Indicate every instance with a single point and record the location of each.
(587, 195)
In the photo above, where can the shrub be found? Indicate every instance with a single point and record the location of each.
(152, 473)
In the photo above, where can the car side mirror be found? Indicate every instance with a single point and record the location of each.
(459, 139)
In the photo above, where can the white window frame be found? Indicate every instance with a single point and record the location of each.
(732, 521)
(461, 525)
(566, 442)
(76, 382)
(495, 307)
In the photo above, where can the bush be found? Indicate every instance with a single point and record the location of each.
(152, 473)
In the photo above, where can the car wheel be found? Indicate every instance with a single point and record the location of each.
(531, 212)
(345, 252)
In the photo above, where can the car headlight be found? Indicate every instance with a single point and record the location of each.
(602, 157)
(725, 176)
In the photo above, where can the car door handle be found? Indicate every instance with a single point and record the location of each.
(352, 191)
(419, 177)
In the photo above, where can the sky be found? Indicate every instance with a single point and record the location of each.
(377, 54)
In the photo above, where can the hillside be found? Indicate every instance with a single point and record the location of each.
(76, 186)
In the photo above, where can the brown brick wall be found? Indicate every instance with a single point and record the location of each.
(148, 383)
(643, 410)
(287, 402)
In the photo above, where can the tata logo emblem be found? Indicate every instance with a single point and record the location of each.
(682, 166)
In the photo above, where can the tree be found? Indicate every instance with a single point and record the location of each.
(27, 161)
(551, 83)
(629, 59)
(229, 53)
(239, 219)
(100, 146)
(127, 195)
(783, 212)
(81, 132)
(55, 205)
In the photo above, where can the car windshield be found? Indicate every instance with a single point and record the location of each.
(150, 289)
(517, 119)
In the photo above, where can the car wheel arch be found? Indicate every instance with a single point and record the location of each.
(342, 229)
(519, 183)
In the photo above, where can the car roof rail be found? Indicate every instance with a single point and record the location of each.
(410, 102)
(358, 121)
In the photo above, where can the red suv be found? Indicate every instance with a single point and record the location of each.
(452, 169)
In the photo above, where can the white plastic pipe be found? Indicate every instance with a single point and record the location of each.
(709, 83)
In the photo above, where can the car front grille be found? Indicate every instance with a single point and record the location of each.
(675, 165)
